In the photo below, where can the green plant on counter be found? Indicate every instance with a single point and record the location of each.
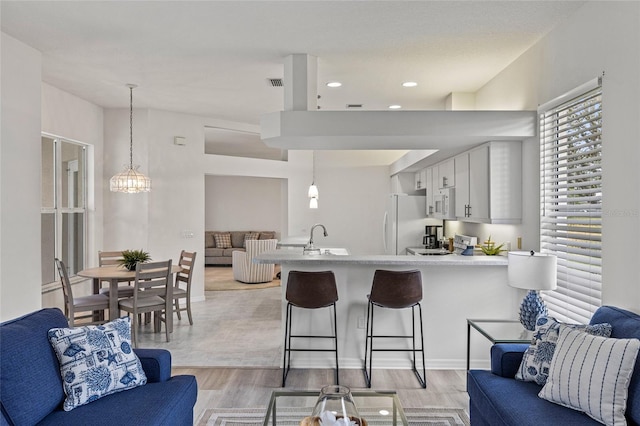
(130, 258)
(490, 249)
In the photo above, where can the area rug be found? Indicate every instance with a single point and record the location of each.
(254, 417)
(221, 279)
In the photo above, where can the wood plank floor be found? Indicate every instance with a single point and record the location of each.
(229, 387)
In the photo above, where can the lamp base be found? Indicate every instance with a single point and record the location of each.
(531, 308)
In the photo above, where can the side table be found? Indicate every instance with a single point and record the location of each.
(497, 331)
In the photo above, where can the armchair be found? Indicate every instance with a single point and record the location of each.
(244, 270)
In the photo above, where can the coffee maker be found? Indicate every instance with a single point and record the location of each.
(432, 236)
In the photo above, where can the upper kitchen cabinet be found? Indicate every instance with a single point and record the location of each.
(420, 180)
(430, 185)
(489, 183)
(446, 174)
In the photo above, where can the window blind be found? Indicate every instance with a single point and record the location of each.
(571, 201)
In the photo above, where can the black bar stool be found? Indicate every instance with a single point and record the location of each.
(395, 290)
(309, 290)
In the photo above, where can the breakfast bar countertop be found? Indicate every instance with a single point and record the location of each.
(295, 256)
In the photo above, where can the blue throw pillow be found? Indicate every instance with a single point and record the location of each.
(96, 361)
(537, 358)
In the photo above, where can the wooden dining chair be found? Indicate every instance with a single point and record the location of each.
(149, 295)
(182, 287)
(113, 258)
(93, 304)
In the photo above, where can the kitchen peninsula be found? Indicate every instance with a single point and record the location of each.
(454, 288)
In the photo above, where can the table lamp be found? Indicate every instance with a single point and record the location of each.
(534, 272)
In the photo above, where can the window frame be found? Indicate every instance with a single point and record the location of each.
(59, 210)
(571, 199)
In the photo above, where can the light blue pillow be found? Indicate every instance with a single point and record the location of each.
(537, 358)
(96, 361)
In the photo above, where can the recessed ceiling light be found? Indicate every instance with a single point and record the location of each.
(334, 84)
(395, 106)
(409, 84)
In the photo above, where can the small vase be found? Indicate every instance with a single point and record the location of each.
(531, 308)
(335, 407)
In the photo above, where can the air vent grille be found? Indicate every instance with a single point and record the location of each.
(354, 106)
(275, 82)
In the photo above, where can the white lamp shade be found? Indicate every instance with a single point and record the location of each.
(532, 271)
(313, 191)
(313, 203)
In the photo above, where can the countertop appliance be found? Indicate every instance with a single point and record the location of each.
(432, 236)
(402, 222)
(464, 244)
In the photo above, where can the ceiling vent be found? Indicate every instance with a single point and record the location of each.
(275, 82)
(354, 106)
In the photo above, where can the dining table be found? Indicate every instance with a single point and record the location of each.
(115, 274)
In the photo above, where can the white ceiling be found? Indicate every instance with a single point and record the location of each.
(213, 58)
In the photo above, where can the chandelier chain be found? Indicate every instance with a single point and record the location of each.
(131, 127)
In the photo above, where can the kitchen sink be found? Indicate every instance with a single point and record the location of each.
(433, 252)
(328, 252)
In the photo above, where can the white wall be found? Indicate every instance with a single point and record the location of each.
(237, 203)
(20, 164)
(126, 216)
(351, 205)
(602, 37)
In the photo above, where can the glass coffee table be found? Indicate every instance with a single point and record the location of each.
(377, 407)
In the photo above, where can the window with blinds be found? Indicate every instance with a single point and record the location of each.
(571, 200)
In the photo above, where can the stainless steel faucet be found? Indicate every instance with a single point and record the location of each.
(310, 248)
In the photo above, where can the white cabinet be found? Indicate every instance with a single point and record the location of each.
(472, 189)
(446, 174)
(430, 186)
(420, 180)
(489, 183)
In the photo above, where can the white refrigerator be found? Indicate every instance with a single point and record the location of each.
(403, 223)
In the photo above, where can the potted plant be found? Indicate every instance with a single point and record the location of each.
(490, 249)
(130, 258)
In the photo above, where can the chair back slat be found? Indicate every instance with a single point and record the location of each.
(108, 258)
(186, 261)
(153, 275)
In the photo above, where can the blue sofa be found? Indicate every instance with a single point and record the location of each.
(496, 398)
(31, 390)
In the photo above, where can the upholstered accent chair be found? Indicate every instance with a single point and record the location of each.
(248, 272)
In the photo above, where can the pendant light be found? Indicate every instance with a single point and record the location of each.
(130, 180)
(313, 189)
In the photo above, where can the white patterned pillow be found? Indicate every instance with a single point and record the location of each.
(96, 361)
(537, 358)
(591, 374)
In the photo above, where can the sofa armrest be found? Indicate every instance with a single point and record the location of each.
(506, 358)
(156, 364)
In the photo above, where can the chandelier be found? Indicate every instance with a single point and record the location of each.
(130, 180)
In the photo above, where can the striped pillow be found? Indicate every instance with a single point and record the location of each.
(591, 374)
